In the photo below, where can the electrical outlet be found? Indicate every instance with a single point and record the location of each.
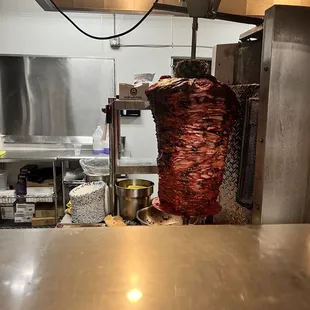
(115, 43)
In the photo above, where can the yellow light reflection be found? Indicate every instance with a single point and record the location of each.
(134, 295)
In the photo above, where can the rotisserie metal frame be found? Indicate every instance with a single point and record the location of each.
(282, 161)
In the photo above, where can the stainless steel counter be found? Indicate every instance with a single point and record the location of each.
(69, 155)
(212, 268)
(28, 155)
(44, 155)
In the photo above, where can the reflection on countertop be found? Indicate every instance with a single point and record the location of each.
(195, 267)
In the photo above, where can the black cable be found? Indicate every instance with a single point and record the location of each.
(109, 37)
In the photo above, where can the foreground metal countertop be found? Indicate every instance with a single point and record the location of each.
(156, 268)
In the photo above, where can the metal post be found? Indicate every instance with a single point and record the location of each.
(113, 155)
(63, 185)
(118, 134)
(55, 192)
(194, 37)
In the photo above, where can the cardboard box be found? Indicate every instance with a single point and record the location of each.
(23, 218)
(25, 208)
(46, 183)
(7, 213)
(46, 209)
(45, 221)
(133, 92)
(45, 213)
(61, 212)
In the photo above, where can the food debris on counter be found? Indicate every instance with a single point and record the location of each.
(114, 221)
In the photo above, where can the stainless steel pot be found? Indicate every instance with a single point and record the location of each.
(132, 200)
(95, 178)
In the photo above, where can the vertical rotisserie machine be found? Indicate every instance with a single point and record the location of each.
(279, 51)
(268, 162)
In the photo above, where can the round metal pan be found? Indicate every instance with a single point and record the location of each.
(151, 216)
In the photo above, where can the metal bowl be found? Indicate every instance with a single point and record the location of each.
(151, 216)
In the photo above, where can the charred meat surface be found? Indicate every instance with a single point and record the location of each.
(193, 68)
(194, 117)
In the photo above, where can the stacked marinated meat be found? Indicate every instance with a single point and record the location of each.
(194, 118)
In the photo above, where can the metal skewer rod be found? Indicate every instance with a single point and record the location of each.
(194, 37)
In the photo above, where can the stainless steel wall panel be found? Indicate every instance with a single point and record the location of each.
(283, 147)
(224, 62)
(47, 96)
(239, 63)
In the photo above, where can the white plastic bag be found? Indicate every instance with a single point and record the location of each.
(96, 166)
(143, 78)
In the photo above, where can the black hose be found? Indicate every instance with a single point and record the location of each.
(109, 37)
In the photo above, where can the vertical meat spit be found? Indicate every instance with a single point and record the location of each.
(204, 9)
(194, 37)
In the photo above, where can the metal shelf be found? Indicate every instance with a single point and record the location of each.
(132, 105)
(8, 200)
(73, 183)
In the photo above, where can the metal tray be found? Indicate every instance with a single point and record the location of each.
(151, 216)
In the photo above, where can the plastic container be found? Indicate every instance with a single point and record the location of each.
(21, 186)
(88, 203)
(106, 147)
(3, 180)
(7, 197)
(77, 149)
(98, 145)
(40, 194)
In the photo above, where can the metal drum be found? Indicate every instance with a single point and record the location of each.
(132, 200)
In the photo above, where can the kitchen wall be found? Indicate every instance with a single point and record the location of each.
(26, 29)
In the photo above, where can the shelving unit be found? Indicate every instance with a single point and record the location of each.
(31, 197)
(116, 167)
(10, 199)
